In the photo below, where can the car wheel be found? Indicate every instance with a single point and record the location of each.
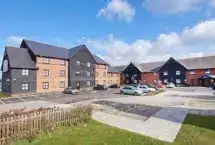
(121, 92)
(135, 93)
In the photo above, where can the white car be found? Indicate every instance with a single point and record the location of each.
(146, 89)
(170, 85)
(131, 90)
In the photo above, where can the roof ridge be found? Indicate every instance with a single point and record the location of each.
(46, 44)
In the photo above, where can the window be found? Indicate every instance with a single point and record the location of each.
(104, 82)
(178, 81)
(62, 84)
(45, 85)
(63, 62)
(88, 83)
(178, 72)
(25, 86)
(78, 63)
(155, 81)
(104, 74)
(97, 81)
(207, 71)
(97, 74)
(77, 73)
(88, 74)
(154, 73)
(192, 72)
(110, 82)
(25, 72)
(62, 73)
(165, 73)
(88, 64)
(46, 60)
(118, 75)
(165, 81)
(45, 72)
(77, 84)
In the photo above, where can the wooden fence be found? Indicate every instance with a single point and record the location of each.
(26, 124)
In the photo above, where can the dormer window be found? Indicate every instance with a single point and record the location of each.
(46, 60)
(165, 73)
(178, 72)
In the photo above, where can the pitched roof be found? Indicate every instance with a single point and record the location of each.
(113, 70)
(205, 62)
(199, 62)
(19, 58)
(47, 50)
(99, 60)
(72, 51)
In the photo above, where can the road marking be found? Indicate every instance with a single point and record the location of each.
(22, 99)
(2, 102)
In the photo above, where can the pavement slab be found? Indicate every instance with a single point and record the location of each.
(164, 125)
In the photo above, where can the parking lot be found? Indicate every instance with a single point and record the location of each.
(64, 98)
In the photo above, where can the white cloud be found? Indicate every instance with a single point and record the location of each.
(120, 9)
(198, 40)
(176, 6)
(14, 40)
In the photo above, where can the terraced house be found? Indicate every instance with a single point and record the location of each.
(199, 71)
(36, 67)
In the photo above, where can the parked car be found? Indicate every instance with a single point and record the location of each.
(146, 88)
(170, 85)
(100, 87)
(114, 86)
(71, 90)
(153, 86)
(131, 90)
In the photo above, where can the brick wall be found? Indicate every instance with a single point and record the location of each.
(149, 77)
(194, 77)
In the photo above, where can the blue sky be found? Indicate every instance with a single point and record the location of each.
(117, 30)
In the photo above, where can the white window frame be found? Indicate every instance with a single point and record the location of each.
(88, 83)
(45, 85)
(165, 81)
(45, 72)
(154, 73)
(77, 73)
(46, 60)
(88, 64)
(25, 86)
(178, 72)
(178, 81)
(63, 62)
(192, 72)
(62, 84)
(88, 74)
(25, 72)
(62, 73)
(208, 71)
(78, 63)
(165, 73)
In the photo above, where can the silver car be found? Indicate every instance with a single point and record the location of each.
(131, 90)
(71, 90)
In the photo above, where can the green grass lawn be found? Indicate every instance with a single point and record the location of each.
(2, 95)
(196, 130)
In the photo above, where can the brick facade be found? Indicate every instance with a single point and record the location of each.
(149, 77)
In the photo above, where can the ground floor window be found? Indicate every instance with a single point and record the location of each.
(165, 81)
(104, 82)
(97, 81)
(25, 86)
(88, 83)
(77, 84)
(178, 81)
(62, 84)
(45, 85)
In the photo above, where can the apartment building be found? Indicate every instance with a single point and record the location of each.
(199, 71)
(105, 74)
(36, 67)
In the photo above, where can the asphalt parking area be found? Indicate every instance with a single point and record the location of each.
(12, 100)
(138, 109)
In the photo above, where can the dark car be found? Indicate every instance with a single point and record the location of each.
(100, 87)
(71, 90)
(114, 86)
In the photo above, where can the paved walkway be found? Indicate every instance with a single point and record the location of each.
(164, 125)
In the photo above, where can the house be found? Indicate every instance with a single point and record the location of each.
(37, 67)
(199, 71)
